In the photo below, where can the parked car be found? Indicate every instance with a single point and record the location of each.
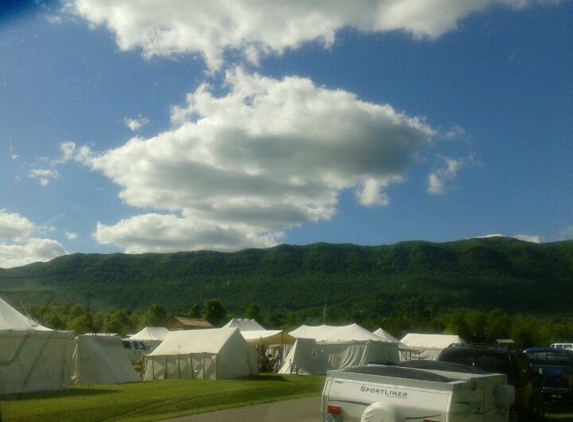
(509, 360)
(556, 369)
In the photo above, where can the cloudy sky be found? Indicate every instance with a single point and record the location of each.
(179, 125)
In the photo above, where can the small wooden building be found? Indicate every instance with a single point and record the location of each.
(176, 322)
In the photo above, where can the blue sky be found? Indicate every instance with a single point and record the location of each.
(224, 125)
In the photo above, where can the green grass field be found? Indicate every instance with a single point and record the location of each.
(150, 401)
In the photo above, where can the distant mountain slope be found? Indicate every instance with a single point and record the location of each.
(408, 277)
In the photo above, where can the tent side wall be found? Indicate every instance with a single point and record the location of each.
(344, 355)
(184, 366)
(309, 357)
(237, 359)
(35, 360)
(102, 360)
(305, 357)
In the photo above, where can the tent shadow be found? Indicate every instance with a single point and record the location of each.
(269, 377)
(72, 392)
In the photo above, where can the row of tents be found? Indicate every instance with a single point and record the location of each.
(36, 358)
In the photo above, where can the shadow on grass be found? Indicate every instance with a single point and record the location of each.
(72, 392)
(268, 377)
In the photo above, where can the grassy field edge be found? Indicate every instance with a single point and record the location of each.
(157, 400)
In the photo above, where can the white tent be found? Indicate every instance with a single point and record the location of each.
(101, 360)
(202, 354)
(244, 324)
(151, 336)
(384, 335)
(32, 357)
(306, 357)
(338, 347)
(405, 353)
(269, 344)
(427, 346)
(254, 333)
(268, 337)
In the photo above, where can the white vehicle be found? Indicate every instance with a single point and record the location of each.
(135, 349)
(379, 393)
(567, 346)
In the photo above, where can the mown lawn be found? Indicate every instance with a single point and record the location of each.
(150, 401)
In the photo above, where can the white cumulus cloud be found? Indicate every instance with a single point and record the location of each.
(446, 173)
(262, 27)
(43, 175)
(268, 155)
(137, 123)
(18, 246)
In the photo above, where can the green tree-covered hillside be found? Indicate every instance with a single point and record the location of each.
(343, 282)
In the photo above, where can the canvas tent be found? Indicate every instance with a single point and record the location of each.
(32, 357)
(215, 353)
(244, 324)
(101, 360)
(332, 347)
(426, 346)
(254, 333)
(404, 351)
(269, 344)
(151, 336)
(384, 335)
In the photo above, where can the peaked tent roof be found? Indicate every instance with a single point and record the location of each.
(151, 334)
(268, 337)
(244, 324)
(210, 340)
(332, 334)
(385, 335)
(11, 319)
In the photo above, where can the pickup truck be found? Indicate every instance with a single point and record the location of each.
(391, 393)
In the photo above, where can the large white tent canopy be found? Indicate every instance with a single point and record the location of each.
(32, 357)
(319, 348)
(335, 334)
(427, 346)
(202, 354)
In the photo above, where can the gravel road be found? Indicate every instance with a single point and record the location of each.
(301, 410)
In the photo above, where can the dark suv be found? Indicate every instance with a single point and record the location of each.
(556, 369)
(509, 360)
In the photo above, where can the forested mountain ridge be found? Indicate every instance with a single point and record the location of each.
(350, 282)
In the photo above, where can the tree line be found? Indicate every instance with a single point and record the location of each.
(470, 324)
